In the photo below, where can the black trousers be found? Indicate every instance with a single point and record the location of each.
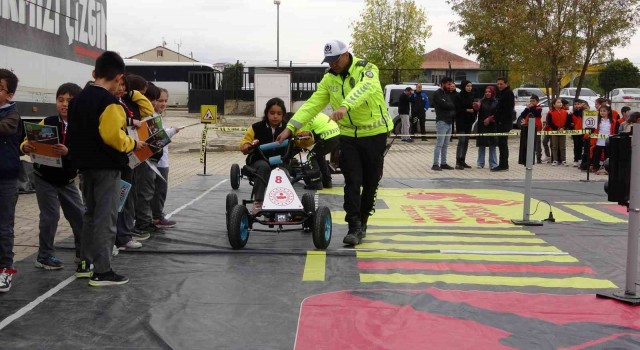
(421, 123)
(263, 170)
(317, 156)
(577, 147)
(362, 162)
(503, 148)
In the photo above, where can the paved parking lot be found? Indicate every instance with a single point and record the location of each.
(403, 161)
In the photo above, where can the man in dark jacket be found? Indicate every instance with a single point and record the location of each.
(443, 102)
(504, 121)
(419, 106)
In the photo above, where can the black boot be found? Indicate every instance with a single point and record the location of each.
(354, 235)
(363, 220)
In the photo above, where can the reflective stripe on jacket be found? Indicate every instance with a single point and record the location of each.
(359, 91)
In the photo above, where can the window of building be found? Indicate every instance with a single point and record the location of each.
(159, 53)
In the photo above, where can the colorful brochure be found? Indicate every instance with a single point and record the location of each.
(125, 187)
(43, 138)
(152, 132)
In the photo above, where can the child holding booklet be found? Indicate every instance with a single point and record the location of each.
(55, 189)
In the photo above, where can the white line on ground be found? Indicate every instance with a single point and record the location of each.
(195, 199)
(36, 302)
(7, 321)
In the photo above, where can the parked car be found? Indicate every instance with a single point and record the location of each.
(585, 94)
(392, 96)
(625, 97)
(544, 103)
(523, 94)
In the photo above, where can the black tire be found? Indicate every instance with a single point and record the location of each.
(238, 227)
(309, 205)
(322, 228)
(232, 201)
(235, 176)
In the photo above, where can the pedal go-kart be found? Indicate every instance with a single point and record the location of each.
(281, 207)
(296, 167)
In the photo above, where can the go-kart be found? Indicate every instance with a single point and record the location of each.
(281, 207)
(294, 162)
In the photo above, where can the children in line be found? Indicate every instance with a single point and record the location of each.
(134, 105)
(161, 160)
(607, 127)
(98, 145)
(10, 134)
(557, 120)
(534, 111)
(55, 189)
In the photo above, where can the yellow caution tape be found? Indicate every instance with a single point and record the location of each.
(203, 144)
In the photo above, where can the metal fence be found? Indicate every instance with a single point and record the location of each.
(234, 84)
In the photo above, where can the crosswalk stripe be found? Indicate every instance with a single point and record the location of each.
(569, 282)
(457, 231)
(412, 238)
(474, 267)
(314, 268)
(595, 214)
(470, 257)
(468, 248)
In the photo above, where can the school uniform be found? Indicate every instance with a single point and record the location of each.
(55, 189)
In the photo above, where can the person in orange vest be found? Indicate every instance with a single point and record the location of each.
(557, 120)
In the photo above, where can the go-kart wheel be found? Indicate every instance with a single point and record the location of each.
(235, 176)
(232, 201)
(309, 205)
(238, 227)
(322, 228)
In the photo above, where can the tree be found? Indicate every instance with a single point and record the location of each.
(619, 74)
(602, 26)
(544, 39)
(391, 34)
(533, 37)
(232, 78)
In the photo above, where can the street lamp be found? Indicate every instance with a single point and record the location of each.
(277, 2)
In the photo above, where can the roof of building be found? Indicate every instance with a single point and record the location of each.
(163, 48)
(440, 59)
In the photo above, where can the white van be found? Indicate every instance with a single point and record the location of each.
(392, 94)
(523, 95)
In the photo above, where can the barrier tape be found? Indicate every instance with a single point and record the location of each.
(203, 144)
(487, 134)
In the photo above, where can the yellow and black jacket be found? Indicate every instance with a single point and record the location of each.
(263, 132)
(97, 131)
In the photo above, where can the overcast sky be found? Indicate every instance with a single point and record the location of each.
(229, 30)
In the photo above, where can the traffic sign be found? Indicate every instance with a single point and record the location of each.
(208, 114)
(590, 120)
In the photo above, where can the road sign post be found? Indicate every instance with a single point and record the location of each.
(208, 115)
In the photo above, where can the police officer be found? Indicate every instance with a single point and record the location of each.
(352, 87)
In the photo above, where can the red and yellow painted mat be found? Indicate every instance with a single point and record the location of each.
(499, 286)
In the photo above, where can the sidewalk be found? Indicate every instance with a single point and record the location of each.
(403, 161)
